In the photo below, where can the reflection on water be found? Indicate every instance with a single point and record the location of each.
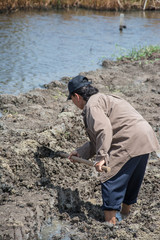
(39, 47)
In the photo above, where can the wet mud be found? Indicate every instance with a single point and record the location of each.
(43, 196)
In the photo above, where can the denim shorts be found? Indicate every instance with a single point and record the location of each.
(125, 185)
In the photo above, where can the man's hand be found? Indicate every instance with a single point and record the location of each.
(98, 165)
(74, 153)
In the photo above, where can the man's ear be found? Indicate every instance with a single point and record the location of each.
(77, 96)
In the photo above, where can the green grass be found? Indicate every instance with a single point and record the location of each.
(136, 54)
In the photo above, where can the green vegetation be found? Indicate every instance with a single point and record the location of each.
(146, 52)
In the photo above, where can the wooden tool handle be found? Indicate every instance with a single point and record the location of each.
(84, 161)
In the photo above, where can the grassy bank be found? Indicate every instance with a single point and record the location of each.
(147, 52)
(114, 5)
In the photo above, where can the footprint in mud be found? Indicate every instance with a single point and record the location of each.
(69, 200)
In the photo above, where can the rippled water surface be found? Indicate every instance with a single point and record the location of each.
(39, 47)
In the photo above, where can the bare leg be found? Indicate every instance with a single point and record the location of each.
(110, 216)
(125, 209)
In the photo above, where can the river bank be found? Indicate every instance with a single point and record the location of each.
(41, 191)
(110, 5)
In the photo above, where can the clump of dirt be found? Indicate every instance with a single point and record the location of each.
(39, 188)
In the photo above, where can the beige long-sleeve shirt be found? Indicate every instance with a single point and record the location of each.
(117, 132)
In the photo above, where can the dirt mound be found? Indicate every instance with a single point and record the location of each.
(46, 197)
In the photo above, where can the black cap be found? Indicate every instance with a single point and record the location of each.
(75, 83)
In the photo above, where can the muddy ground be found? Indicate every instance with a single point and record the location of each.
(46, 197)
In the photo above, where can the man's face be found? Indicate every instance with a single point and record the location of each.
(78, 101)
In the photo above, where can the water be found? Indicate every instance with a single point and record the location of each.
(39, 47)
(55, 229)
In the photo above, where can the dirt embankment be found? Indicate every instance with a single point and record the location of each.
(111, 5)
(42, 193)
